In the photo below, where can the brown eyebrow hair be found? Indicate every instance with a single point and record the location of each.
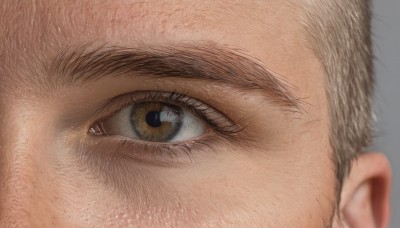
(211, 62)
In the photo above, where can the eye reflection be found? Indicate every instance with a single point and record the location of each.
(155, 122)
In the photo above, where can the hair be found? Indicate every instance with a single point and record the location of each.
(340, 32)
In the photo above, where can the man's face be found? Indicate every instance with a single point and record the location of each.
(162, 113)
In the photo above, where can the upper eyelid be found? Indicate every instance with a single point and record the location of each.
(206, 61)
(117, 103)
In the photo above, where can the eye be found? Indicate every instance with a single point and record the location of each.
(161, 127)
(165, 117)
(155, 122)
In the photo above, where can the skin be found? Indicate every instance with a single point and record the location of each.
(278, 173)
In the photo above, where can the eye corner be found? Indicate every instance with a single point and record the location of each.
(96, 129)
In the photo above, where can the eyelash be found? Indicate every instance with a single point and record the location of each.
(224, 127)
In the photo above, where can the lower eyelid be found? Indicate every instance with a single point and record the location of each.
(159, 154)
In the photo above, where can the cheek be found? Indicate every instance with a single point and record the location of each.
(231, 190)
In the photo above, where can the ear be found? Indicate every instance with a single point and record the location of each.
(366, 192)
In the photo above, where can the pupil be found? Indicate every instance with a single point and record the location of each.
(153, 119)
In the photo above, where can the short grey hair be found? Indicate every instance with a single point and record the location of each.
(340, 32)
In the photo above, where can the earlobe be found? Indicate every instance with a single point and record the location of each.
(366, 192)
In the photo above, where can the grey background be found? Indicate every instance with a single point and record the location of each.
(386, 37)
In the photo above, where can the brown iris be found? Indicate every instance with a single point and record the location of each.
(156, 121)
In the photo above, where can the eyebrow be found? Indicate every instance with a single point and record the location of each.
(210, 62)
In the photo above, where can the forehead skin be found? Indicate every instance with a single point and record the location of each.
(45, 25)
(302, 192)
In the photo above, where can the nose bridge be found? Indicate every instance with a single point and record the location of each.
(17, 189)
(20, 171)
